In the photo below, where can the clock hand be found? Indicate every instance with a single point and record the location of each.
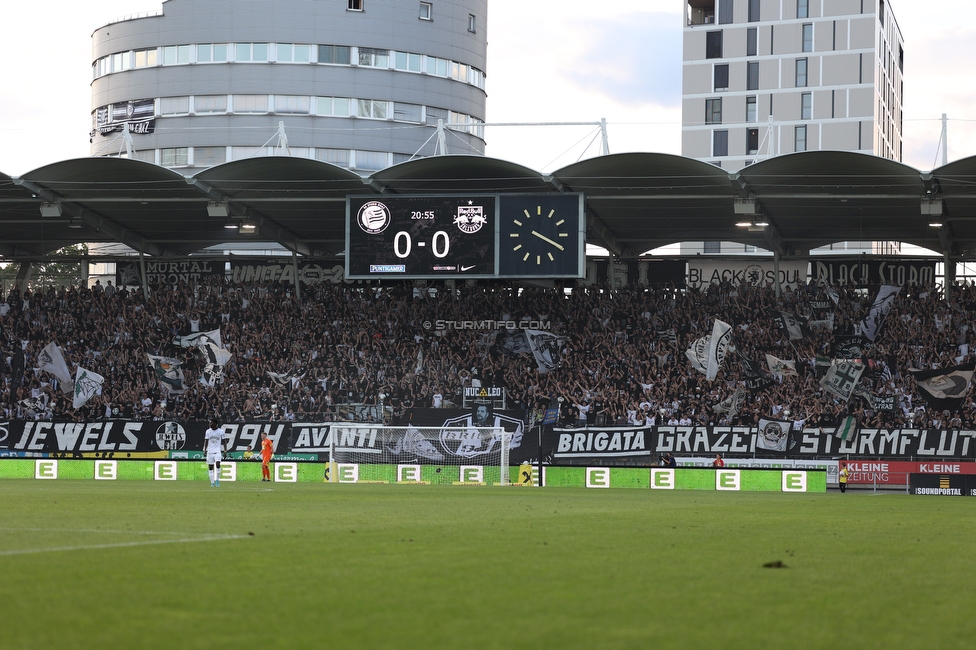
(548, 241)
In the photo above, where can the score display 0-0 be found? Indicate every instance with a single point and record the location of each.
(465, 236)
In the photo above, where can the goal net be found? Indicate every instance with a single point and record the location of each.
(462, 454)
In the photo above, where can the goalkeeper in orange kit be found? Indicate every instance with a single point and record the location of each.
(267, 450)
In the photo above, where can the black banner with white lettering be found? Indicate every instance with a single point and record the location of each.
(614, 445)
(167, 273)
(943, 485)
(645, 445)
(284, 271)
(863, 273)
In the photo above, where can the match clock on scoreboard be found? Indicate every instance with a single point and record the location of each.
(420, 236)
(541, 235)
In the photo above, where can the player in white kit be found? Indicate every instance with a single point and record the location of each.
(213, 443)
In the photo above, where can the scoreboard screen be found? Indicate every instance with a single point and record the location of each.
(420, 236)
(465, 236)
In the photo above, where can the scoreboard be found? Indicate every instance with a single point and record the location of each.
(465, 236)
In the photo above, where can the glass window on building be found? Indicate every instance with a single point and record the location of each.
(752, 141)
(291, 53)
(407, 112)
(720, 143)
(174, 157)
(713, 111)
(713, 45)
(354, 5)
(801, 73)
(332, 106)
(472, 23)
(808, 37)
(435, 114)
(212, 53)
(751, 109)
(203, 104)
(372, 160)
(250, 103)
(337, 54)
(754, 11)
(374, 58)
(407, 61)
(721, 77)
(802, 8)
(291, 104)
(377, 110)
(145, 58)
(800, 138)
(251, 52)
(806, 106)
(752, 75)
(725, 11)
(426, 11)
(209, 156)
(174, 105)
(176, 54)
(338, 157)
(752, 41)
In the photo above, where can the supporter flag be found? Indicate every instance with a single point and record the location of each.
(668, 335)
(781, 367)
(732, 404)
(879, 310)
(864, 394)
(792, 325)
(850, 347)
(212, 374)
(841, 379)
(946, 388)
(546, 348)
(33, 405)
(51, 360)
(698, 354)
(169, 372)
(718, 345)
(87, 384)
(755, 377)
(284, 378)
(191, 340)
(774, 435)
(847, 428)
(214, 353)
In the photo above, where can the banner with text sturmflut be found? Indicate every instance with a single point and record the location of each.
(639, 445)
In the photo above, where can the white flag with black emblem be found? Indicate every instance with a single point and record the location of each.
(546, 348)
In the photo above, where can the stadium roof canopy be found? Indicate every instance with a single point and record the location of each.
(634, 202)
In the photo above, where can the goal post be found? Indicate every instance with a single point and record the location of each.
(403, 454)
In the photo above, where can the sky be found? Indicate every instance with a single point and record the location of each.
(548, 61)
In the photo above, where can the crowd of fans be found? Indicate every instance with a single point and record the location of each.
(379, 347)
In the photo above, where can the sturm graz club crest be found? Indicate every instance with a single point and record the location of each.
(170, 436)
(470, 218)
(373, 217)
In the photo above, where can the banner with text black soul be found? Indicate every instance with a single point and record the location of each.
(643, 445)
(862, 273)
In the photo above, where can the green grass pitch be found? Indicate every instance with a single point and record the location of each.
(175, 565)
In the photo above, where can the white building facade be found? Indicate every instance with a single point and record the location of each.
(762, 78)
(362, 84)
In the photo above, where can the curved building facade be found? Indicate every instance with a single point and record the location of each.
(358, 83)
